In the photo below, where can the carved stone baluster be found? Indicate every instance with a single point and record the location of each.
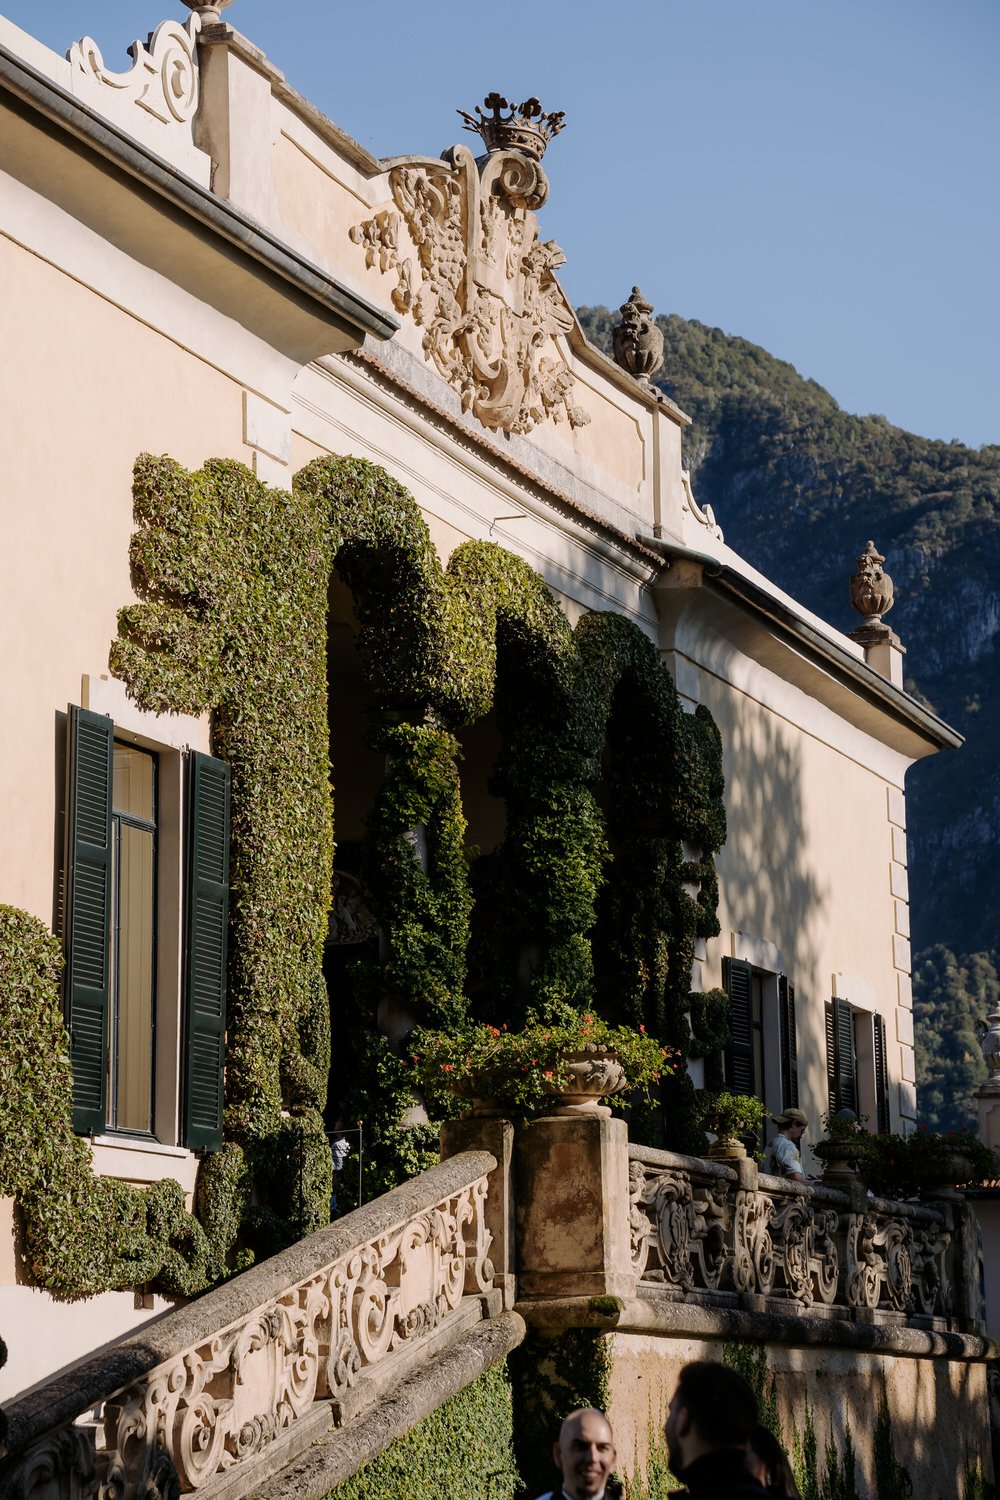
(640, 1228)
(930, 1287)
(708, 1235)
(751, 1266)
(969, 1309)
(670, 1198)
(896, 1239)
(863, 1265)
(824, 1258)
(792, 1229)
(62, 1465)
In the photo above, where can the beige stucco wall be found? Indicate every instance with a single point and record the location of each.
(84, 394)
(806, 870)
(938, 1411)
(45, 1333)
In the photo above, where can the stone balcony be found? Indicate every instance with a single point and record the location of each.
(289, 1376)
(731, 1237)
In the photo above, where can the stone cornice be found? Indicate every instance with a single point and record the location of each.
(150, 182)
(785, 622)
(653, 1312)
(625, 543)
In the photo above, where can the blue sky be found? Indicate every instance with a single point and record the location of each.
(818, 177)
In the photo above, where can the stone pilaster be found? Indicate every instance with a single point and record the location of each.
(489, 1133)
(572, 1211)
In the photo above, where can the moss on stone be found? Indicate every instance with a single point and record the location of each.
(462, 1449)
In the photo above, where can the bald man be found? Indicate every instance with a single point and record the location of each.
(585, 1455)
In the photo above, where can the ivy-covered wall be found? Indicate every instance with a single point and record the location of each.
(463, 1449)
(589, 898)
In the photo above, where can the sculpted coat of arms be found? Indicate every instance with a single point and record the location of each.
(484, 286)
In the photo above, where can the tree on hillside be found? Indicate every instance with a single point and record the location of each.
(949, 995)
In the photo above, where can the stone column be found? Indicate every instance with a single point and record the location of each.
(572, 1205)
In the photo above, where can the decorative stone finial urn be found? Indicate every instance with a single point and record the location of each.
(988, 1032)
(209, 12)
(871, 588)
(637, 343)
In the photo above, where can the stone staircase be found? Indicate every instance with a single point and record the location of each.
(293, 1373)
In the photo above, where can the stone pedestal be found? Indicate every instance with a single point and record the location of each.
(571, 1207)
(490, 1133)
(883, 649)
(988, 1100)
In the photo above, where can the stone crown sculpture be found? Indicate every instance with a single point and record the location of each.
(479, 280)
(526, 128)
(636, 341)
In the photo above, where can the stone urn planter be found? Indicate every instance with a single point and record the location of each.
(941, 1177)
(474, 1091)
(595, 1073)
(729, 1116)
(840, 1155)
(726, 1148)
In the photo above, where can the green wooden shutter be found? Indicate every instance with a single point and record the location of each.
(831, 1062)
(881, 1077)
(88, 902)
(789, 1049)
(205, 957)
(845, 1067)
(737, 976)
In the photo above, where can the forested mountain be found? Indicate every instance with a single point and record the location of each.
(799, 486)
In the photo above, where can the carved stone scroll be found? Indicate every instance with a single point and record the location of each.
(484, 287)
(806, 1251)
(751, 1263)
(878, 1261)
(216, 1404)
(163, 78)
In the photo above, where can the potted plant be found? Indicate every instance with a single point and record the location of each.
(843, 1148)
(568, 1066)
(955, 1159)
(926, 1162)
(729, 1116)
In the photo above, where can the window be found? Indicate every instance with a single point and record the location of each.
(132, 957)
(856, 1063)
(762, 1056)
(120, 892)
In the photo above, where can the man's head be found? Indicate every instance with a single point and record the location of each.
(712, 1407)
(585, 1453)
(792, 1122)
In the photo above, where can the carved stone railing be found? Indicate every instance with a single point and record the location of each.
(267, 1357)
(726, 1234)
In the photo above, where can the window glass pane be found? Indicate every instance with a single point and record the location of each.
(132, 1058)
(132, 786)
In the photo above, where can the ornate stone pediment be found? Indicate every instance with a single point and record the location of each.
(481, 282)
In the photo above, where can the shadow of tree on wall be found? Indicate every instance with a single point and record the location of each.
(770, 889)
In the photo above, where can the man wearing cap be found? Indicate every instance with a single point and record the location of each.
(782, 1159)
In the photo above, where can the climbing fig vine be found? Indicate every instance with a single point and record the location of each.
(597, 893)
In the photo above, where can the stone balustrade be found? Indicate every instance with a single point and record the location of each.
(725, 1234)
(319, 1344)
